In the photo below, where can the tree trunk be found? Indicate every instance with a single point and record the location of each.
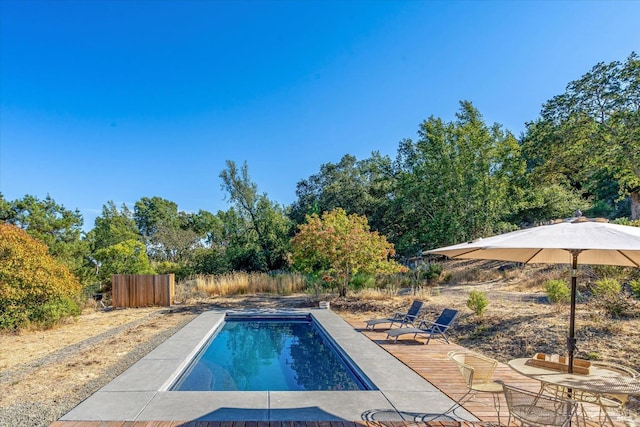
(635, 205)
(343, 291)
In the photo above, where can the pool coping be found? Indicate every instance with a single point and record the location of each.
(141, 392)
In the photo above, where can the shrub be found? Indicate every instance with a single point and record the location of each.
(616, 305)
(635, 287)
(478, 302)
(51, 312)
(627, 221)
(35, 289)
(557, 291)
(432, 272)
(609, 271)
(362, 280)
(606, 288)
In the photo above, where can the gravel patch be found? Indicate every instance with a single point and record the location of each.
(41, 414)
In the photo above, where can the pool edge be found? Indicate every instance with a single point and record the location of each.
(140, 393)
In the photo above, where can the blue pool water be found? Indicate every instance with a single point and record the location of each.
(269, 354)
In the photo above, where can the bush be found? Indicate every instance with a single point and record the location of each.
(627, 221)
(478, 302)
(617, 305)
(432, 272)
(635, 287)
(35, 289)
(607, 295)
(180, 271)
(557, 291)
(362, 280)
(51, 312)
(606, 288)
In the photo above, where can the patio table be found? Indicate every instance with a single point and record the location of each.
(598, 387)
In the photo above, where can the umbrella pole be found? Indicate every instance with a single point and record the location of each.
(571, 340)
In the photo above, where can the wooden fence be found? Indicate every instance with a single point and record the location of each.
(141, 290)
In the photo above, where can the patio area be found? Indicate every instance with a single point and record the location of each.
(442, 385)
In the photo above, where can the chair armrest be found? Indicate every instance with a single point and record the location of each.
(427, 323)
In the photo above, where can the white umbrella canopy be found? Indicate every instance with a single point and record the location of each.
(597, 242)
(578, 241)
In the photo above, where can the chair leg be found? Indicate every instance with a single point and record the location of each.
(459, 404)
(496, 405)
(468, 396)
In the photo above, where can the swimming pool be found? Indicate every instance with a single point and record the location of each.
(143, 392)
(275, 353)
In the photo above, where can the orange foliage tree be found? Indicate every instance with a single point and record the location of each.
(341, 245)
(34, 287)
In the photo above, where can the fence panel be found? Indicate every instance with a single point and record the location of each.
(141, 290)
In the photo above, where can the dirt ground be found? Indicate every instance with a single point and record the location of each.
(64, 365)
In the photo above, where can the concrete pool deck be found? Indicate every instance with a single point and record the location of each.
(141, 392)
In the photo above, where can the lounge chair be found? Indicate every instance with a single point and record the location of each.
(427, 328)
(403, 319)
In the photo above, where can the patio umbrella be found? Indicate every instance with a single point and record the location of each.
(576, 241)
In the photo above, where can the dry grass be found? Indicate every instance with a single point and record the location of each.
(241, 283)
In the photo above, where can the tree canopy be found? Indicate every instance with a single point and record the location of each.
(341, 245)
(60, 229)
(589, 137)
(458, 181)
(127, 257)
(261, 243)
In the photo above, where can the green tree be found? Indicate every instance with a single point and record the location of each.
(209, 227)
(35, 288)
(113, 226)
(211, 260)
(341, 245)
(151, 213)
(359, 187)
(57, 227)
(457, 182)
(174, 244)
(170, 235)
(262, 228)
(542, 203)
(127, 257)
(5, 209)
(588, 137)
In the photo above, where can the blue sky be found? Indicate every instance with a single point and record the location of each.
(118, 100)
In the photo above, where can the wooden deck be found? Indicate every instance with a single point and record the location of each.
(432, 363)
(429, 361)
